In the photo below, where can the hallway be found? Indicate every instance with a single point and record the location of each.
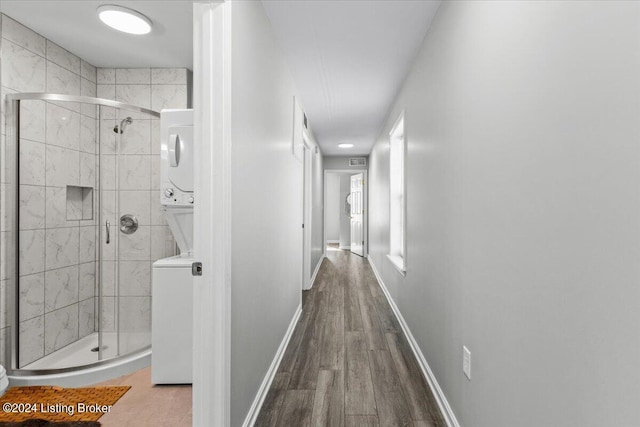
(348, 362)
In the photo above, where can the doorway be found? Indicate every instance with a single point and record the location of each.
(345, 211)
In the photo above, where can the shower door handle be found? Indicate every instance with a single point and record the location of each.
(107, 225)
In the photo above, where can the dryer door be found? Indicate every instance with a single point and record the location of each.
(180, 152)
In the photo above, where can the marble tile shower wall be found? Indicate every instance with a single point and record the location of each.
(139, 184)
(57, 149)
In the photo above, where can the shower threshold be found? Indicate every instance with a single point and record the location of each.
(80, 352)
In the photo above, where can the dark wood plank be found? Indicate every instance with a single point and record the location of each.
(328, 403)
(361, 421)
(336, 295)
(273, 402)
(388, 321)
(332, 349)
(324, 267)
(305, 371)
(370, 322)
(359, 396)
(326, 275)
(390, 400)
(297, 408)
(422, 403)
(305, 298)
(352, 314)
(371, 281)
(355, 342)
(358, 276)
(291, 353)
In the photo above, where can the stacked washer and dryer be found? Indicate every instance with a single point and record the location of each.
(172, 282)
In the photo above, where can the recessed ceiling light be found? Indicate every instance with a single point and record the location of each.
(124, 19)
(345, 145)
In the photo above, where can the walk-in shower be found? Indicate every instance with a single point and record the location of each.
(81, 172)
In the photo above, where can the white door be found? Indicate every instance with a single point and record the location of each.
(357, 213)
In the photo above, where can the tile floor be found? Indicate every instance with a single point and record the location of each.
(146, 405)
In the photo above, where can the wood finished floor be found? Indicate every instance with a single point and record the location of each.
(348, 363)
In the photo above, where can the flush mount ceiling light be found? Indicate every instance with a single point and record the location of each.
(124, 19)
(345, 145)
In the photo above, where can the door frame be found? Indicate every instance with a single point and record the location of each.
(212, 213)
(307, 208)
(365, 203)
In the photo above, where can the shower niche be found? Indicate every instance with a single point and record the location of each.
(79, 203)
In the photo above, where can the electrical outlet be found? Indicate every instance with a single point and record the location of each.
(466, 362)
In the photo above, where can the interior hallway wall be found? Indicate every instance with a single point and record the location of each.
(523, 239)
(266, 204)
(341, 162)
(333, 208)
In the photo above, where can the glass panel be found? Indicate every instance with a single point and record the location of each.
(57, 223)
(138, 233)
(109, 237)
(135, 194)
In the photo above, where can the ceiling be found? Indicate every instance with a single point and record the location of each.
(349, 59)
(74, 25)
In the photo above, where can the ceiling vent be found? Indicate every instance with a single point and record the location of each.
(357, 161)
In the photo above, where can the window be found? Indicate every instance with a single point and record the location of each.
(397, 201)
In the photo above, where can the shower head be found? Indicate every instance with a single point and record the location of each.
(123, 124)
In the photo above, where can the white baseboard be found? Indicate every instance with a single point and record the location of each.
(252, 415)
(315, 272)
(445, 408)
(333, 241)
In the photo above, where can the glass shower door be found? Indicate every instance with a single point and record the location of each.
(107, 292)
(134, 203)
(125, 324)
(56, 228)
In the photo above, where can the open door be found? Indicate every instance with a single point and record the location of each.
(357, 214)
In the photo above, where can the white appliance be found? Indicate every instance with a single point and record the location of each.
(172, 321)
(172, 283)
(176, 174)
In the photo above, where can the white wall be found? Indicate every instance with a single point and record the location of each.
(523, 130)
(341, 162)
(333, 207)
(345, 218)
(266, 204)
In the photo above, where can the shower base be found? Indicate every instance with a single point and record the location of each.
(72, 362)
